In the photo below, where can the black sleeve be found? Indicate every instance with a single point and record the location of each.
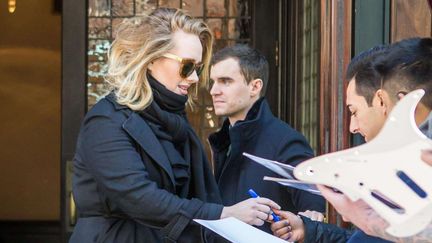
(294, 150)
(319, 232)
(119, 171)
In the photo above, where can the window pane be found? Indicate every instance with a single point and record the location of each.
(97, 69)
(308, 79)
(169, 3)
(243, 8)
(99, 28)
(95, 92)
(122, 8)
(115, 24)
(144, 6)
(232, 8)
(96, 72)
(97, 50)
(216, 27)
(233, 32)
(215, 8)
(194, 7)
(244, 26)
(99, 8)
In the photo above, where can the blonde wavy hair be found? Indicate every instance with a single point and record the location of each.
(140, 41)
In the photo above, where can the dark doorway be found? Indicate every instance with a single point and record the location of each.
(30, 74)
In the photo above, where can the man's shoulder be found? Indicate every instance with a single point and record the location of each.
(280, 128)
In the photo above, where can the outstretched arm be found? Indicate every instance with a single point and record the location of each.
(302, 229)
(364, 217)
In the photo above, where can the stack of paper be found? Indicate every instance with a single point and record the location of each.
(236, 231)
(285, 171)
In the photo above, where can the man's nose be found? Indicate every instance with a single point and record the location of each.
(214, 90)
(354, 126)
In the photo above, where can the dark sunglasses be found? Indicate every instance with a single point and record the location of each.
(187, 65)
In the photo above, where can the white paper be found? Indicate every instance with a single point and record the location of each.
(277, 167)
(305, 186)
(237, 231)
(285, 171)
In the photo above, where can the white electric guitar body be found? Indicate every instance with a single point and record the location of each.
(387, 173)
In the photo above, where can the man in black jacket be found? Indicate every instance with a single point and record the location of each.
(377, 79)
(406, 67)
(239, 77)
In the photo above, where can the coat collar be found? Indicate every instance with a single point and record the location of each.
(257, 117)
(111, 98)
(139, 130)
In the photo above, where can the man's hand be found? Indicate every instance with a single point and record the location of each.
(426, 156)
(313, 215)
(289, 228)
(358, 212)
(253, 211)
(364, 217)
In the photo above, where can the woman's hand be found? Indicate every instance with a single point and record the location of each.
(290, 227)
(253, 211)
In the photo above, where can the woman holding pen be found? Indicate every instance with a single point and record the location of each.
(140, 171)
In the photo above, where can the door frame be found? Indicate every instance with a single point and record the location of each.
(335, 55)
(73, 96)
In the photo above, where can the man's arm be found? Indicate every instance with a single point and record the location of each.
(302, 229)
(423, 237)
(364, 217)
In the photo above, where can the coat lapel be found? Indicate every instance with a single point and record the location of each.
(138, 129)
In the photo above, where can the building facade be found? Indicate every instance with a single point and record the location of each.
(308, 43)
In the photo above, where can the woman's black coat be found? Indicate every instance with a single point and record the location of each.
(124, 186)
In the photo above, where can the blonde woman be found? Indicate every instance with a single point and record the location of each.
(140, 172)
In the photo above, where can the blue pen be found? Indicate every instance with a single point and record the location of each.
(253, 194)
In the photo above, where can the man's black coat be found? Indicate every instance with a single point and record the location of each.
(263, 135)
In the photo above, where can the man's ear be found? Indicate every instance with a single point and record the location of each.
(256, 86)
(384, 101)
(379, 95)
(401, 94)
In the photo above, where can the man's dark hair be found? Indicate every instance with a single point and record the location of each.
(253, 65)
(367, 78)
(408, 66)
